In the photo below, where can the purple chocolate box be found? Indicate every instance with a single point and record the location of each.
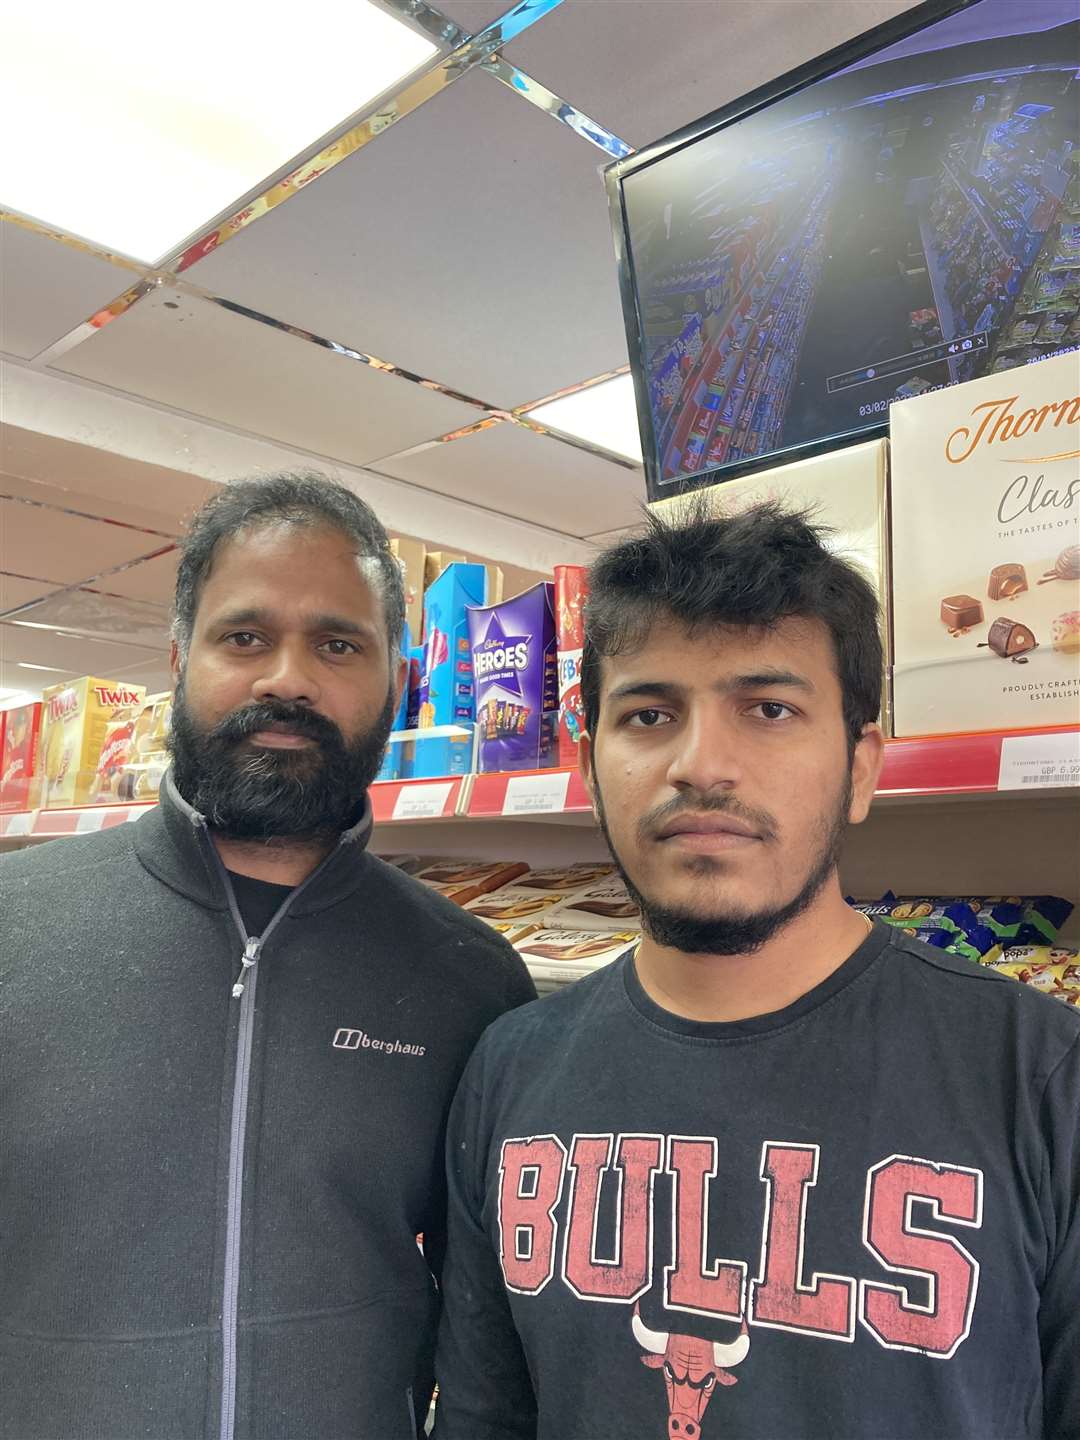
(516, 680)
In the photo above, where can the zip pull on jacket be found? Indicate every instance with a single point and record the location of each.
(250, 957)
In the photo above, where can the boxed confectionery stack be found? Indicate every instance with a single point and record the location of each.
(132, 764)
(88, 733)
(845, 491)
(986, 552)
(570, 920)
(20, 763)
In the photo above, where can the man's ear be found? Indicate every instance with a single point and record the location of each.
(866, 766)
(174, 661)
(585, 765)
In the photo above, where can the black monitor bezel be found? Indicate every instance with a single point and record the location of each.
(920, 17)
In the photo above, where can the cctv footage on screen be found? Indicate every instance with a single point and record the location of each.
(908, 223)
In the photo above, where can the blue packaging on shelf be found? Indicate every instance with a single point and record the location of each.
(516, 679)
(446, 691)
(446, 755)
(392, 761)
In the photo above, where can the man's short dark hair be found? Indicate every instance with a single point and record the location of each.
(754, 569)
(302, 499)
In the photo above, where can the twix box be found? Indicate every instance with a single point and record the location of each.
(88, 727)
(20, 733)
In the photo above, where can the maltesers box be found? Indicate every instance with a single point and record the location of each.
(845, 490)
(20, 759)
(81, 719)
(986, 552)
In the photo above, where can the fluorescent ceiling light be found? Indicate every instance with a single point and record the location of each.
(52, 669)
(134, 125)
(603, 414)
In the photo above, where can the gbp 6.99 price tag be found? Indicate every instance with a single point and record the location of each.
(1040, 761)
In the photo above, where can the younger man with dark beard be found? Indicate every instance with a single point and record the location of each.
(826, 1182)
(229, 1036)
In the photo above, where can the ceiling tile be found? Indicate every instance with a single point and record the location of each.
(77, 655)
(100, 482)
(109, 618)
(47, 288)
(532, 477)
(470, 243)
(66, 548)
(194, 356)
(686, 57)
(153, 580)
(16, 591)
(475, 15)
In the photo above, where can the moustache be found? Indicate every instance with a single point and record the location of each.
(653, 821)
(244, 723)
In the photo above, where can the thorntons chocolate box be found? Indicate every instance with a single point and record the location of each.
(845, 491)
(515, 676)
(986, 552)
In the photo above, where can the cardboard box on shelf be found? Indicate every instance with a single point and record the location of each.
(435, 562)
(20, 757)
(986, 552)
(446, 685)
(516, 904)
(567, 878)
(411, 555)
(78, 720)
(483, 875)
(845, 490)
(605, 905)
(557, 957)
(134, 770)
(514, 662)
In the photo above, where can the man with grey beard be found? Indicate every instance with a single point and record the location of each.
(229, 1035)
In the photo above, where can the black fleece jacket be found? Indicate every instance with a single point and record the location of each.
(209, 1201)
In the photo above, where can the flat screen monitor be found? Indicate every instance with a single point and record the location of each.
(901, 215)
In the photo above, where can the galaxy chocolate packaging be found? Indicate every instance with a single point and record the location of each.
(516, 682)
(986, 552)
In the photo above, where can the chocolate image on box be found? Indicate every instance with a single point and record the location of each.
(960, 613)
(1009, 639)
(1006, 581)
(1066, 566)
(618, 909)
(1065, 633)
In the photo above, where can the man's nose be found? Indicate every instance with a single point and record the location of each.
(706, 755)
(289, 676)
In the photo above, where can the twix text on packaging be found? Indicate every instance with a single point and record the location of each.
(86, 723)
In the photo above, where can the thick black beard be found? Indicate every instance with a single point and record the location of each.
(731, 932)
(261, 794)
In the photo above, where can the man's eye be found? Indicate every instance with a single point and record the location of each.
(648, 719)
(242, 639)
(772, 710)
(341, 647)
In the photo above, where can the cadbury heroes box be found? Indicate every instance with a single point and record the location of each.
(515, 679)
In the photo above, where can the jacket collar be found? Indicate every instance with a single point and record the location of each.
(173, 842)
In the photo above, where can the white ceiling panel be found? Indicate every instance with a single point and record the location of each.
(99, 482)
(474, 15)
(470, 243)
(66, 548)
(76, 655)
(153, 580)
(643, 70)
(101, 616)
(47, 288)
(516, 472)
(14, 590)
(197, 357)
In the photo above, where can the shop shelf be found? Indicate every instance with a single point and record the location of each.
(923, 766)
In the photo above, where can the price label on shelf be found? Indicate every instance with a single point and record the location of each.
(19, 824)
(90, 821)
(536, 794)
(422, 802)
(1039, 762)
